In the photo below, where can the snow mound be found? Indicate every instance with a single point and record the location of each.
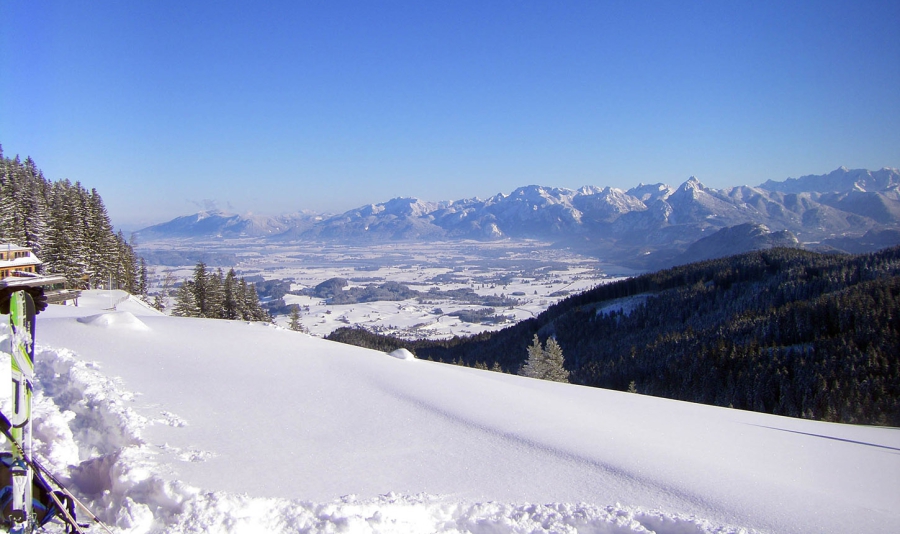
(122, 320)
(403, 354)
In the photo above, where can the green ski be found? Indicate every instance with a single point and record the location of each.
(21, 320)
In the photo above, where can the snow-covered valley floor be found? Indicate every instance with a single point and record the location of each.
(168, 424)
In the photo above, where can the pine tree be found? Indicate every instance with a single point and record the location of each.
(143, 280)
(254, 311)
(33, 204)
(126, 275)
(185, 301)
(534, 365)
(231, 306)
(545, 363)
(295, 324)
(103, 247)
(554, 362)
(215, 296)
(64, 248)
(200, 287)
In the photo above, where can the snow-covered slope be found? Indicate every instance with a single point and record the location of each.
(190, 425)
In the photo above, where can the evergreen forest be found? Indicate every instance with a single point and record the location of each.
(214, 295)
(67, 227)
(781, 331)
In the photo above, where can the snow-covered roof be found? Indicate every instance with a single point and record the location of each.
(15, 256)
(16, 262)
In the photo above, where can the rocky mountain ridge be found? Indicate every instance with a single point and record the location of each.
(648, 226)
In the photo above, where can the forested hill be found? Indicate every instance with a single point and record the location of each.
(781, 331)
(66, 226)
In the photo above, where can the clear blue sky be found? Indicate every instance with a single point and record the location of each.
(328, 105)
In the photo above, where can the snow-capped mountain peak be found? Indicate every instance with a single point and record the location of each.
(649, 216)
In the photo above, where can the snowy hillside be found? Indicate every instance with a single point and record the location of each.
(190, 425)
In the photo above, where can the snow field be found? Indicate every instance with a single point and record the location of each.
(482, 267)
(193, 425)
(88, 417)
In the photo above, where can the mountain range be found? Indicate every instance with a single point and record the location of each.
(648, 226)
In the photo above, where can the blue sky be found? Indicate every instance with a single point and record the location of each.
(165, 106)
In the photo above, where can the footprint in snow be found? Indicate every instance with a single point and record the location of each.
(170, 419)
(189, 454)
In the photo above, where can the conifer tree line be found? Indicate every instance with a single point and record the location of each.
(215, 295)
(67, 227)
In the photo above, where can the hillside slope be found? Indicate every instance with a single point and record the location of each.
(779, 331)
(177, 425)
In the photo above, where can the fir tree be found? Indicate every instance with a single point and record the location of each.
(534, 365)
(215, 296)
(545, 363)
(100, 240)
(295, 324)
(554, 362)
(231, 306)
(254, 311)
(143, 280)
(185, 301)
(200, 285)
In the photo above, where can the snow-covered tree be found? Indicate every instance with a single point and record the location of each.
(545, 363)
(200, 288)
(231, 306)
(185, 301)
(215, 296)
(67, 227)
(554, 362)
(253, 311)
(534, 365)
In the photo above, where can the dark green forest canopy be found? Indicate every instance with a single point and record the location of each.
(781, 331)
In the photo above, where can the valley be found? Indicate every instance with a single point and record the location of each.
(408, 290)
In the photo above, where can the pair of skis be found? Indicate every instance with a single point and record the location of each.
(22, 314)
(22, 298)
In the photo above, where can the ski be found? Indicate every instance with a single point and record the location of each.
(22, 298)
(45, 472)
(39, 471)
(21, 321)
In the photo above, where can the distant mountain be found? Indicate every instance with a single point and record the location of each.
(649, 226)
(218, 223)
(735, 240)
(839, 180)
